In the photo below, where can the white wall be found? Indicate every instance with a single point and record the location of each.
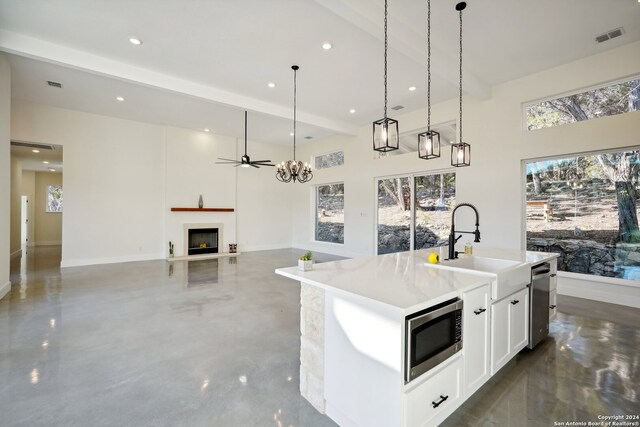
(122, 177)
(5, 174)
(495, 130)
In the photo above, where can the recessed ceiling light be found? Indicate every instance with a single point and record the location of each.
(52, 169)
(45, 162)
(271, 85)
(35, 151)
(352, 111)
(207, 130)
(412, 88)
(119, 98)
(290, 133)
(327, 46)
(135, 41)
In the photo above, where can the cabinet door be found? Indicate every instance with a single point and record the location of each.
(475, 336)
(553, 309)
(500, 347)
(519, 320)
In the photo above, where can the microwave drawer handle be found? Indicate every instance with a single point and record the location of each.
(438, 403)
(479, 311)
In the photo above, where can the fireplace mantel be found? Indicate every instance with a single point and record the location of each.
(202, 209)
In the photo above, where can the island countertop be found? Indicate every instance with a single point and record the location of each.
(401, 280)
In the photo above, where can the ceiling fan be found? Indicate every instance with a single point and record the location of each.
(245, 161)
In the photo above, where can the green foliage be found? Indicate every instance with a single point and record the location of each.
(306, 257)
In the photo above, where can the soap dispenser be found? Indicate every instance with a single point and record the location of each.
(468, 249)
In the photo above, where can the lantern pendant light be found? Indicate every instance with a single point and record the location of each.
(429, 141)
(460, 152)
(385, 131)
(294, 170)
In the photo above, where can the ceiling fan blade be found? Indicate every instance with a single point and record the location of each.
(229, 160)
(261, 161)
(254, 166)
(227, 163)
(265, 164)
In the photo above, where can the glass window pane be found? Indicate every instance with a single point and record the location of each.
(435, 197)
(606, 101)
(330, 160)
(586, 209)
(394, 215)
(330, 213)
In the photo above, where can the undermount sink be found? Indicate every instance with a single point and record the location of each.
(507, 276)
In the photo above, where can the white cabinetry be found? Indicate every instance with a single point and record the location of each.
(475, 338)
(509, 328)
(553, 286)
(433, 400)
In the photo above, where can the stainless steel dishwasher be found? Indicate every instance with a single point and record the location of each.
(539, 303)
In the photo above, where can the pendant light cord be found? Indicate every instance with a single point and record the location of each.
(295, 79)
(428, 65)
(386, 44)
(460, 76)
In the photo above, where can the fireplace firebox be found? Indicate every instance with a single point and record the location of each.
(203, 241)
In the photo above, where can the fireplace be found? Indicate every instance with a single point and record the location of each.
(203, 241)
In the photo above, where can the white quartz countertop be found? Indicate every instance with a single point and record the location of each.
(401, 280)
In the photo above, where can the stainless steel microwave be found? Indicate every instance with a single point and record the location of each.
(432, 336)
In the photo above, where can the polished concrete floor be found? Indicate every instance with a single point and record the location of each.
(216, 343)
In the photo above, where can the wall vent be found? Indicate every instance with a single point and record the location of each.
(610, 35)
(54, 84)
(308, 137)
(32, 145)
(397, 107)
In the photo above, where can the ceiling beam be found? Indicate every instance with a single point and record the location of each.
(406, 39)
(42, 50)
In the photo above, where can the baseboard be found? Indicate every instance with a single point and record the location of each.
(4, 289)
(254, 248)
(613, 292)
(16, 254)
(48, 243)
(110, 260)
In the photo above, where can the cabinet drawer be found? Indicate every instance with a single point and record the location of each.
(432, 401)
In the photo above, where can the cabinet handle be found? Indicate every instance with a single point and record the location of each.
(552, 306)
(438, 403)
(515, 301)
(479, 311)
(554, 275)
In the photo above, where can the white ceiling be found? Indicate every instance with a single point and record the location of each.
(203, 62)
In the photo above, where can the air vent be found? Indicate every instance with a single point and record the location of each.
(32, 145)
(397, 107)
(54, 84)
(308, 137)
(610, 35)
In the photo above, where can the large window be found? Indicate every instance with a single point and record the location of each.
(414, 212)
(330, 213)
(586, 209)
(604, 101)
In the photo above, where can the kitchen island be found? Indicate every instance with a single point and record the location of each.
(353, 344)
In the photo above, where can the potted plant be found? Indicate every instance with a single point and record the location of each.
(305, 263)
(170, 249)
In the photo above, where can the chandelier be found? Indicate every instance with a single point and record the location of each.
(294, 170)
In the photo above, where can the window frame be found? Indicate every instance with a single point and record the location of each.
(412, 218)
(314, 156)
(523, 212)
(314, 213)
(577, 91)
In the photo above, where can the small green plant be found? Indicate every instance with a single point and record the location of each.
(306, 257)
(170, 248)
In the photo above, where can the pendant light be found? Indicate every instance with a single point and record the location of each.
(385, 131)
(429, 141)
(460, 152)
(294, 170)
